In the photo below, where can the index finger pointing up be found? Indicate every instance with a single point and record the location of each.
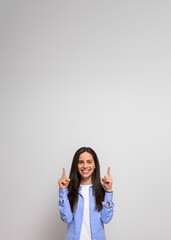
(63, 173)
(108, 171)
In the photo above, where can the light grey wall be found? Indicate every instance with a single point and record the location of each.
(93, 73)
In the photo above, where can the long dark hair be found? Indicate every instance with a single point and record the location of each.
(75, 179)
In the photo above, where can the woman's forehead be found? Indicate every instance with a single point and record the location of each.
(85, 156)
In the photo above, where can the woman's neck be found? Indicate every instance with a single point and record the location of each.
(86, 182)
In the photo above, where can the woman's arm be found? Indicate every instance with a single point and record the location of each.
(107, 207)
(64, 206)
(107, 204)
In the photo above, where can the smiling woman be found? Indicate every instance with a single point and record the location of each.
(85, 203)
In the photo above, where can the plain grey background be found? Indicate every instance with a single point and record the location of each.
(85, 73)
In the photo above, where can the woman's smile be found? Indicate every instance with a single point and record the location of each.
(85, 171)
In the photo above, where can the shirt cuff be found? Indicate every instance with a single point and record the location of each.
(108, 196)
(63, 193)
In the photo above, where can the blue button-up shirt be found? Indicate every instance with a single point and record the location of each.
(74, 219)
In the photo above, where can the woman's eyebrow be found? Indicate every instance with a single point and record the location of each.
(85, 160)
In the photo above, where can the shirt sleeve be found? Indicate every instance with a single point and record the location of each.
(107, 212)
(64, 206)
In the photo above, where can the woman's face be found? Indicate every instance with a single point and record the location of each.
(86, 166)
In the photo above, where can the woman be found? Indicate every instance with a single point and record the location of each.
(85, 203)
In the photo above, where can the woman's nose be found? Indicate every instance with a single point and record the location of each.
(85, 165)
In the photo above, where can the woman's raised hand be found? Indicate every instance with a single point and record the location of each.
(63, 181)
(107, 181)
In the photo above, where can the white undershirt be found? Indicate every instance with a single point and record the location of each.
(85, 229)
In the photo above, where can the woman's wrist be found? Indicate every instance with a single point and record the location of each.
(109, 190)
